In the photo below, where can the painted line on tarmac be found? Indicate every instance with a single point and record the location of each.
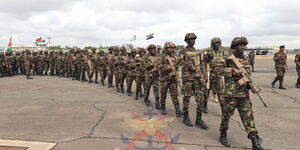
(30, 145)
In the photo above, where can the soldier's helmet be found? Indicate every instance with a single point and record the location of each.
(123, 48)
(215, 40)
(45, 52)
(141, 50)
(17, 53)
(51, 52)
(40, 51)
(151, 46)
(60, 51)
(169, 45)
(133, 51)
(116, 49)
(111, 48)
(238, 40)
(27, 51)
(190, 36)
(101, 51)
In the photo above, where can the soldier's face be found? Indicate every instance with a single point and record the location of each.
(216, 45)
(171, 50)
(152, 51)
(133, 54)
(241, 48)
(282, 49)
(191, 42)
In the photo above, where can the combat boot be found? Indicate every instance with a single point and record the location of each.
(281, 84)
(163, 109)
(223, 139)
(102, 83)
(178, 112)
(28, 77)
(298, 85)
(136, 96)
(128, 92)
(273, 83)
(142, 94)
(96, 82)
(90, 81)
(186, 119)
(122, 90)
(146, 101)
(256, 143)
(157, 104)
(205, 108)
(199, 122)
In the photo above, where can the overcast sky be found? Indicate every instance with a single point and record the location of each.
(114, 22)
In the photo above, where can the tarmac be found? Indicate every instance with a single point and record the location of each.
(60, 114)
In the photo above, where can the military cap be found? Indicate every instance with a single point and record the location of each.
(111, 48)
(190, 36)
(238, 40)
(169, 45)
(282, 46)
(133, 51)
(215, 40)
(123, 48)
(151, 46)
(93, 49)
(46, 51)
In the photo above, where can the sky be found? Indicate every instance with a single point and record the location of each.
(113, 22)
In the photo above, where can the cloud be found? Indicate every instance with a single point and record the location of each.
(114, 22)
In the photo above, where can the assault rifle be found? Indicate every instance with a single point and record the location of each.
(246, 79)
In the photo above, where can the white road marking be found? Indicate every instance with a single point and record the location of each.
(30, 144)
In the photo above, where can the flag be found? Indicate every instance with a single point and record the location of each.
(150, 36)
(133, 38)
(9, 45)
(39, 39)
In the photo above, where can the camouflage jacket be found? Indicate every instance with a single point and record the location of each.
(251, 56)
(169, 61)
(27, 60)
(232, 88)
(131, 67)
(109, 60)
(151, 63)
(121, 63)
(214, 58)
(190, 61)
(280, 60)
(2, 62)
(139, 66)
(297, 60)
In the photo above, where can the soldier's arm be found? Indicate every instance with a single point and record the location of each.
(224, 69)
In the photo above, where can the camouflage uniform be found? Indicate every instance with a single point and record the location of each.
(51, 61)
(27, 63)
(77, 64)
(121, 71)
(169, 79)
(46, 62)
(72, 64)
(22, 66)
(59, 63)
(110, 66)
(40, 63)
(9, 61)
(85, 68)
(66, 62)
(17, 68)
(34, 63)
(101, 65)
(280, 67)
(237, 96)
(140, 72)
(297, 61)
(2, 63)
(192, 80)
(94, 69)
(252, 59)
(131, 74)
(151, 63)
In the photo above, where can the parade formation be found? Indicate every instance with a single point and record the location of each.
(188, 71)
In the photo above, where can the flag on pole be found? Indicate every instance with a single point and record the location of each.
(9, 45)
(150, 36)
(39, 39)
(133, 38)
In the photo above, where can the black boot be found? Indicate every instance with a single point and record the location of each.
(157, 103)
(136, 96)
(281, 84)
(90, 81)
(178, 112)
(163, 109)
(186, 119)
(146, 101)
(141, 94)
(256, 143)
(223, 139)
(129, 92)
(273, 83)
(199, 122)
(205, 108)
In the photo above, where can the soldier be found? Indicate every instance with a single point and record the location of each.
(65, 72)
(59, 60)
(51, 61)
(17, 63)
(115, 63)
(27, 63)
(40, 63)
(297, 61)
(77, 63)
(2, 63)
(237, 96)
(213, 57)
(110, 66)
(192, 83)
(46, 62)
(131, 74)
(94, 70)
(252, 59)
(152, 75)
(9, 61)
(169, 78)
(140, 72)
(121, 69)
(85, 68)
(280, 66)
(22, 67)
(101, 65)
(72, 63)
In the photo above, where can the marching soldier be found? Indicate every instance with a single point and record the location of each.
(110, 66)
(17, 65)
(169, 78)
(236, 96)
(22, 67)
(40, 63)
(131, 74)
(93, 66)
(252, 59)
(297, 61)
(34, 63)
(140, 73)
(2, 63)
(101, 66)
(27, 63)
(115, 65)
(280, 66)
(51, 61)
(85, 68)
(192, 84)
(152, 75)
(46, 62)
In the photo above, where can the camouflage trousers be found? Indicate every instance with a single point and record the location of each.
(298, 71)
(46, 68)
(154, 82)
(33, 67)
(93, 70)
(172, 86)
(120, 78)
(139, 81)
(280, 71)
(103, 75)
(39, 68)
(110, 74)
(129, 81)
(252, 64)
(244, 107)
(22, 68)
(27, 70)
(192, 87)
(85, 69)
(217, 86)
